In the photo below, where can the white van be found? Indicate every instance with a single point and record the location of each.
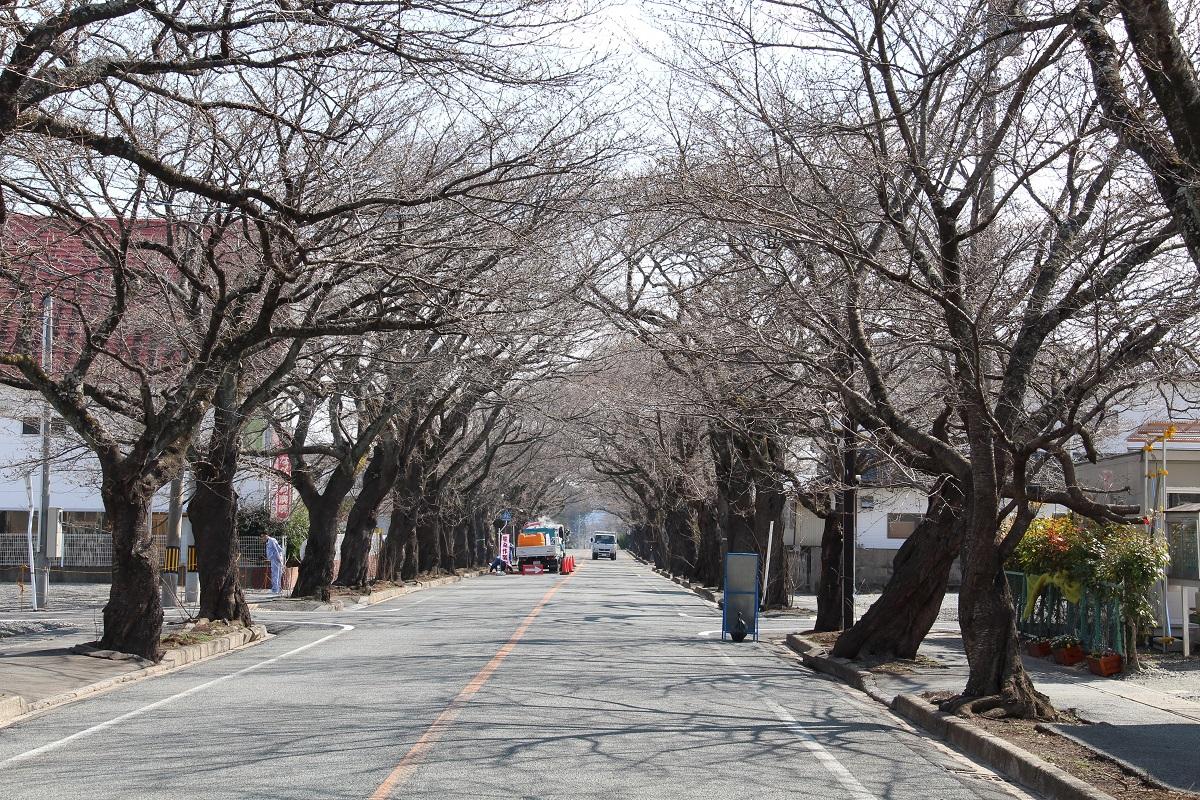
(604, 545)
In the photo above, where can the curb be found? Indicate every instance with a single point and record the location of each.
(814, 657)
(173, 660)
(365, 600)
(352, 602)
(992, 751)
(1132, 769)
(11, 707)
(697, 589)
(1008, 759)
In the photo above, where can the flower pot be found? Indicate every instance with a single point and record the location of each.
(1038, 649)
(1068, 655)
(1105, 665)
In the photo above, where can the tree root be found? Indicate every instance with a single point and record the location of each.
(1002, 706)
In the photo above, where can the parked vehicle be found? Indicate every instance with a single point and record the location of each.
(542, 545)
(604, 545)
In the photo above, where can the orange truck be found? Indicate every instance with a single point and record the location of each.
(541, 547)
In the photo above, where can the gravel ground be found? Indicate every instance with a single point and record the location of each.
(1169, 673)
(23, 628)
(862, 602)
(63, 597)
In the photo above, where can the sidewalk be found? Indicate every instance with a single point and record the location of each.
(44, 668)
(37, 666)
(1151, 730)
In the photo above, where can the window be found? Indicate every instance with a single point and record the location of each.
(901, 526)
(1179, 498)
(32, 426)
(866, 502)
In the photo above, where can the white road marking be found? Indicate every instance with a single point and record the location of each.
(137, 712)
(820, 753)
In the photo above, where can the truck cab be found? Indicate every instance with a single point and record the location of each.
(604, 545)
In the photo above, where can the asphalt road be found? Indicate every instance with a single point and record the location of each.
(598, 685)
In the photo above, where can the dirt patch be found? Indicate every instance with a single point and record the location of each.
(1089, 766)
(901, 666)
(197, 634)
(795, 611)
(827, 638)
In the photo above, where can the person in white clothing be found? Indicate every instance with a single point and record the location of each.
(274, 553)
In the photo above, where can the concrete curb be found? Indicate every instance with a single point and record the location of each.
(399, 591)
(998, 754)
(695, 588)
(1132, 769)
(815, 657)
(175, 659)
(352, 602)
(11, 707)
(1002, 756)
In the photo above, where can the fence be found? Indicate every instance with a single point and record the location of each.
(1097, 622)
(84, 549)
(88, 549)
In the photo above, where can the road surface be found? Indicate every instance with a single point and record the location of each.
(609, 683)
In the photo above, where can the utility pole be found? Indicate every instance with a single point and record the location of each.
(170, 580)
(42, 578)
(849, 533)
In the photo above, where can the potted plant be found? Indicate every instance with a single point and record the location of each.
(1067, 650)
(1038, 646)
(1104, 663)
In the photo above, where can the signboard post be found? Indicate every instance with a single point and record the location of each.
(739, 612)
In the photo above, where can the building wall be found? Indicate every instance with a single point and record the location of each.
(1123, 476)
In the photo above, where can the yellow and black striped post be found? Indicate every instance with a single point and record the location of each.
(172, 564)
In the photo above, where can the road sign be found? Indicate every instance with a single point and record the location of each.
(535, 568)
(739, 612)
(506, 516)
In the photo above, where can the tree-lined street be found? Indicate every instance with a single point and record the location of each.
(609, 692)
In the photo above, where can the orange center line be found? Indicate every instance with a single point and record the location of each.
(408, 764)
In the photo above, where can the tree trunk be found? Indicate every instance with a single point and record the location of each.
(428, 541)
(377, 481)
(997, 678)
(896, 624)
(212, 512)
(829, 584)
(448, 539)
(708, 552)
(133, 616)
(316, 569)
(396, 543)
(769, 500)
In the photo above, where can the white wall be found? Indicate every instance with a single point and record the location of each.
(74, 470)
(872, 522)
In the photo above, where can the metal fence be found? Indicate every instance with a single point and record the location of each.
(89, 548)
(1097, 622)
(83, 548)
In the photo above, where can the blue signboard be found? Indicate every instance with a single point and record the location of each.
(506, 516)
(739, 609)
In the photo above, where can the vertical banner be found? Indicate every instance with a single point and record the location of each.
(282, 499)
(505, 548)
